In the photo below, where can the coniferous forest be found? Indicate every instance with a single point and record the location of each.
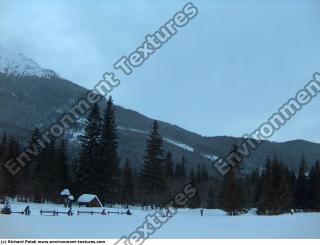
(100, 170)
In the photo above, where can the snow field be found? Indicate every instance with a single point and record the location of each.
(187, 223)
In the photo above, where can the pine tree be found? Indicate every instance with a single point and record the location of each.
(276, 189)
(110, 160)
(314, 190)
(168, 165)
(237, 159)
(204, 174)
(198, 174)
(266, 195)
(232, 195)
(177, 172)
(180, 169)
(282, 196)
(195, 201)
(27, 179)
(255, 188)
(8, 183)
(3, 150)
(127, 184)
(90, 154)
(152, 176)
(62, 166)
(192, 177)
(3, 146)
(24, 185)
(301, 192)
(36, 166)
(211, 199)
(183, 167)
(49, 175)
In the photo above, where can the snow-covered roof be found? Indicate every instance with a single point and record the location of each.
(65, 192)
(86, 198)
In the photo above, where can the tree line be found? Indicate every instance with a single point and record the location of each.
(97, 168)
(273, 189)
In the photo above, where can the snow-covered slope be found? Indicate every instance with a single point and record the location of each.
(20, 65)
(179, 144)
(171, 141)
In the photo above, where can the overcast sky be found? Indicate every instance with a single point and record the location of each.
(224, 73)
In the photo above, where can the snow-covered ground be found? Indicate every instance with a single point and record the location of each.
(185, 224)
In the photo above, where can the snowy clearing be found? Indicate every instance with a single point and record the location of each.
(186, 223)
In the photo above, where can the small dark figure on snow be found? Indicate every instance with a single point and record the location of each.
(70, 201)
(291, 211)
(6, 209)
(27, 211)
(128, 212)
(167, 212)
(70, 212)
(201, 212)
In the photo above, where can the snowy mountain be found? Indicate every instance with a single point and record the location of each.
(31, 96)
(20, 65)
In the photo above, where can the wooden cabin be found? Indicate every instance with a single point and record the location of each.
(89, 200)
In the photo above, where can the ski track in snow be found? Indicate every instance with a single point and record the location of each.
(210, 157)
(176, 143)
(173, 142)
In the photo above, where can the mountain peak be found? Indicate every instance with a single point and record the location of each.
(20, 65)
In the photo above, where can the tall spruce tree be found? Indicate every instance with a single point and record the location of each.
(168, 165)
(177, 171)
(266, 196)
(3, 146)
(62, 165)
(195, 201)
(192, 177)
(24, 185)
(49, 174)
(198, 174)
(3, 150)
(183, 167)
(109, 169)
(232, 195)
(301, 192)
(90, 154)
(152, 175)
(282, 196)
(8, 184)
(276, 191)
(36, 167)
(211, 199)
(127, 184)
(314, 187)
(204, 174)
